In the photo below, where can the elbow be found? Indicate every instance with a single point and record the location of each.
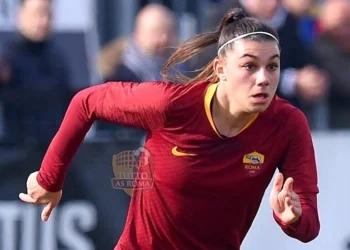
(84, 103)
(80, 96)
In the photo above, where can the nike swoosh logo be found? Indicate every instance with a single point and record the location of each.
(175, 152)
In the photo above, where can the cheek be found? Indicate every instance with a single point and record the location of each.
(237, 76)
(241, 79)
(275, 79)
(238, 85)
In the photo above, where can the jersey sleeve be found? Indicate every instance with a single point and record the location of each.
(299, 163)
(141, 105)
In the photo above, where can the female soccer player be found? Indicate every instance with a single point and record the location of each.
(215, 141)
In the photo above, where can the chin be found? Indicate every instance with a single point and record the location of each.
(258, 108)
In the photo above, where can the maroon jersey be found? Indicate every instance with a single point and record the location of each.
(207, 188)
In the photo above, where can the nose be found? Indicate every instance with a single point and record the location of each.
(262, 78)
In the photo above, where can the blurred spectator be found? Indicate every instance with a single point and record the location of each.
(140, 57)
(213, 14)
(305, 11)
(110, 58)
(298, 7)
(332, 49)
(34, 80)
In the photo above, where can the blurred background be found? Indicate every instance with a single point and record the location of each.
(49, 50)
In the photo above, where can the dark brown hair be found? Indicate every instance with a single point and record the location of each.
(233, 24)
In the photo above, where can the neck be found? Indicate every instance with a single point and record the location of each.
(228, 119)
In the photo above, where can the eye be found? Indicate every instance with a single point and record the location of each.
(249, 66)
(273, 67)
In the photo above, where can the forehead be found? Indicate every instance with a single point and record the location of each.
(159, 22)
(261, 49)
(35, 5)
(259, 2)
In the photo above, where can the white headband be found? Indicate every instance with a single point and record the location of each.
(248, 34)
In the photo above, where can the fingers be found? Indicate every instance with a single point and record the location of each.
(296, 210)
(288, 185)
(288, 202)
(292, 201)
(27, 198)
(283, 192)
(287, 192)
(293, 205)
(281, 197)
(278, 183)
(47, 211)
(276, 195)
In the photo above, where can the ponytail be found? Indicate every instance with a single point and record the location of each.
(233, 24)
(195, 46)
(188, 50)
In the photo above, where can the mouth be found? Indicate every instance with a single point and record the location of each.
(260, 97)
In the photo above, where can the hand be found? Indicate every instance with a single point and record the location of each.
(38, 195)
(312, 84)
(284, 201)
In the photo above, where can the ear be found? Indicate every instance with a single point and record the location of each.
(219, 68)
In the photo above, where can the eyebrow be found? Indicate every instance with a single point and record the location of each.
(255, 57)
